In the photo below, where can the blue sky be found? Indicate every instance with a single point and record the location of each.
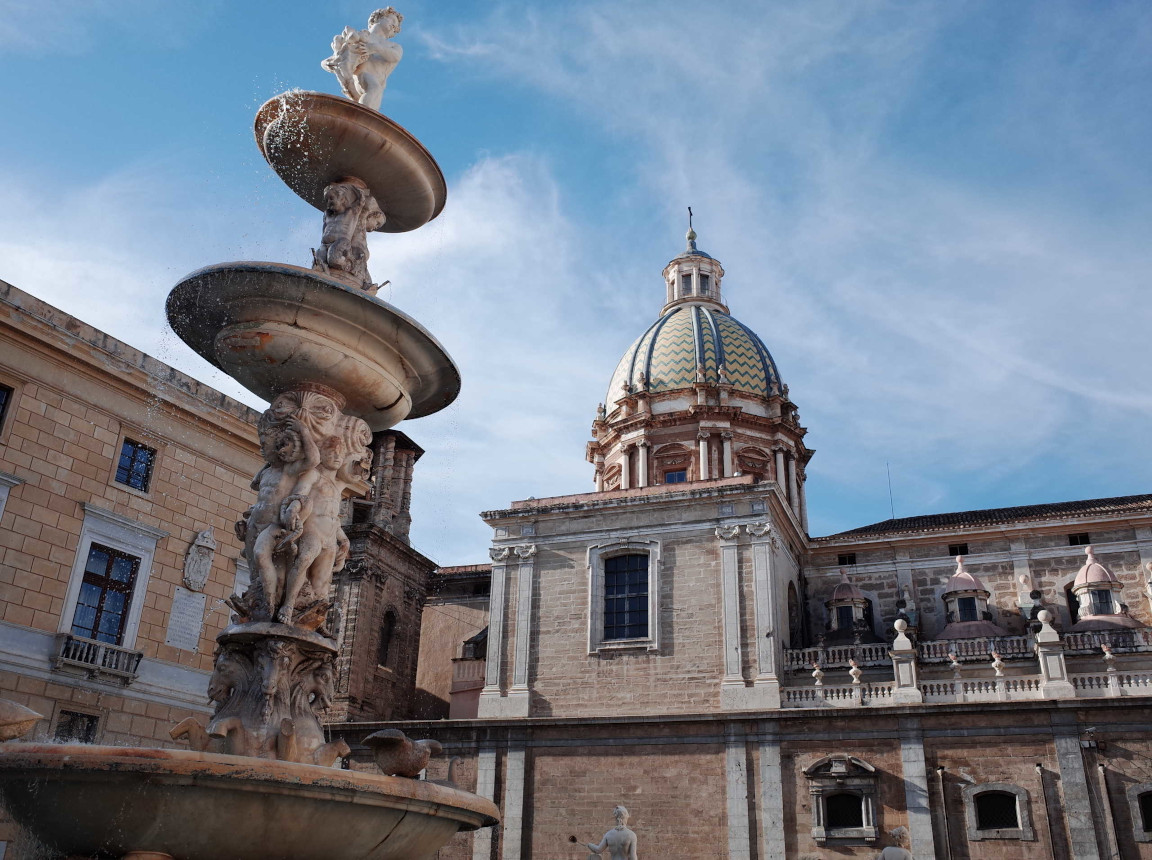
(937, 216)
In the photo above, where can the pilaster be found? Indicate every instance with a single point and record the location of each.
(1074, 784)
(736, 773)
(490, 705)
(923, 846)
(518, 696)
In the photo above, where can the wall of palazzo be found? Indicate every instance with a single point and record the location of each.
(735, 785)
(73, 400)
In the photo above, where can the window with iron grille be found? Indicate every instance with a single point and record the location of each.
(843, 810)
(74, 727)
(686, 284)
(5, 399)
(705, 286)
(846, 559)
(955, 549)
(105, 592)
(679, 476)
(135, 466)
(1079, 539)
(626, 597)
(996, 810)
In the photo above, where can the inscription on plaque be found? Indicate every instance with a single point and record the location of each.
(186, 619)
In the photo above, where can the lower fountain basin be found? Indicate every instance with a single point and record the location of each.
(106, 801)
(272, 326)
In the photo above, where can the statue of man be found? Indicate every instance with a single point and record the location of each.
(362, 60)
(620, 842)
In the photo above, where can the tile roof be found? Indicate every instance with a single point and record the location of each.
(991, 516)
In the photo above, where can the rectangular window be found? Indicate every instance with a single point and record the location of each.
(967, 607)
(955, 549)
(1080, 539)
(1101, 601)
(135, 466)
(626, 597)
(5, 399)
(686, 284)
(73, 727)
(105, 592)
(845, 559)
(705, 285)
(844, 618)
(677, 477)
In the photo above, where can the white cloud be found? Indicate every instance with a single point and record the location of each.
(968, 321)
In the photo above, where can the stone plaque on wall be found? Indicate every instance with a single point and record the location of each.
(185, 620)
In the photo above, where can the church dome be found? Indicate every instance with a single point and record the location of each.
(686, 338)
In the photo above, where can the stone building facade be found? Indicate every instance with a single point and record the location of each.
(970, 685)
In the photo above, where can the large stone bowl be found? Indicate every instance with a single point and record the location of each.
(107, 801)
(313, 139)
(271, 326)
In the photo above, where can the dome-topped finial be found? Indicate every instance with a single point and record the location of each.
(690, 236)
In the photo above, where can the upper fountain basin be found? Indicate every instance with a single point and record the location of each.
(314, 139)
(272, 326)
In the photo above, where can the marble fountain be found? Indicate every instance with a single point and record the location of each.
(259, 781)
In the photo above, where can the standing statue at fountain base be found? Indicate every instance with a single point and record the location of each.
(619, 842)
(362, 60)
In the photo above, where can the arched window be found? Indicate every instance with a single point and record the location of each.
(996, 810)
(1140, 807)
(1102, 601)
(387, 634)
(843, 810)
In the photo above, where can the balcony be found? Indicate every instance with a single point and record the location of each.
(98, 660)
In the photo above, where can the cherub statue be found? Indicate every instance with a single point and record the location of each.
(312, 511)
(289, 452)
(362, 60)
(620, 842)
(350, 212)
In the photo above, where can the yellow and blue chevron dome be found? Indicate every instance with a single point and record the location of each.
(687, 337)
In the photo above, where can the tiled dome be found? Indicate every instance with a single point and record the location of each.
(667, 355)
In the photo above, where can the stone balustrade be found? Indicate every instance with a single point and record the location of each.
(970, 650)
(982, 670)
(836, 656)
(96, 658)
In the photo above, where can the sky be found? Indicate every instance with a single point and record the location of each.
(938, 216)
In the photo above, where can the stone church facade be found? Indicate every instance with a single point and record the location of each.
(970, 685)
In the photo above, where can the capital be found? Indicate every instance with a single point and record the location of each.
(526, 550)
(499, 553)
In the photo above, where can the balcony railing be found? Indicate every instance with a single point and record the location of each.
(96, 658)
(1120, 641)
(837, 656)
(970, 650)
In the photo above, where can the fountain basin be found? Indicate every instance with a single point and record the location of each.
(313, 139)
(106, 801)
(272, 326)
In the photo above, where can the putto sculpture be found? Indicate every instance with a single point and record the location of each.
(362, 60)
(619, 842)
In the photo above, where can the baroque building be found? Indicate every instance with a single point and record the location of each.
(970, 685)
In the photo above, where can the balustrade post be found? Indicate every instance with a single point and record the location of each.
(1054, 683)
(904, 670)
